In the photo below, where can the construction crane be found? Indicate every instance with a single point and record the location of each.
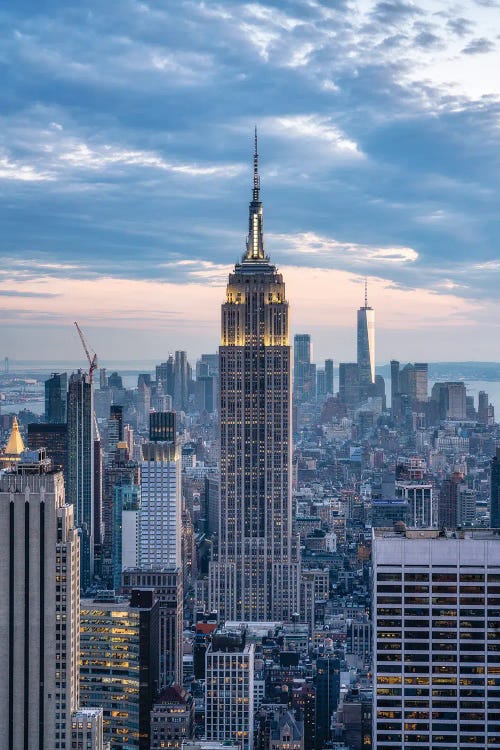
(92, 358)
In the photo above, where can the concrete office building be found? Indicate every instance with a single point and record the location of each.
(436, 639)
(172, 718)
(421, 507)
(450, 398)
(349, 384)
(229, 695)
(421, 381)
(39, 607)
(86, 729)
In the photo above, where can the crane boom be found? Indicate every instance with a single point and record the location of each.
(92, 359)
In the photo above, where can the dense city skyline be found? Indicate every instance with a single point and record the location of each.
(124, 166)
(250, 479)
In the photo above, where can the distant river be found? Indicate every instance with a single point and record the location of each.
(492, 388)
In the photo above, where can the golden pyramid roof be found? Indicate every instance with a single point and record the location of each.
(15, 445)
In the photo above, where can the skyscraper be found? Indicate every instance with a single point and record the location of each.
(162, 426)
(366, 343)
(160, 512)
(327, 697)
(165, 374)
(168, 591)
(181, 381)
(115, 429)
(80, 490)
(301, 366)
(394, 384)
(39, 607)
(53, 437)
(349, 386)
(229, 697)
(329, 376)
(435, 635)
(421, 381)
(55, 397)
(119, 663)
(495, 491)
(256, 574)
(482, 408)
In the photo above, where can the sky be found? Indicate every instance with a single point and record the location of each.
(126, 136)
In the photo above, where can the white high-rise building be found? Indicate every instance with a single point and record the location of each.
(160, 511)
(256, 574)
(436, 639)
(229, 693)
(39, 607)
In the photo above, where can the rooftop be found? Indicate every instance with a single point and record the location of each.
(482, 534)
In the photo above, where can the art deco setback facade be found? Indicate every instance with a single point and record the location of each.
(257, 571)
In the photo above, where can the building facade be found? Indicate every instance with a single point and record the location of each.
(40, 584)
(303, 387)
(168, 589)
(86, 729)
(56, 388)
(172, 718)
(160, 512)
(119, 669)
(229, 695)
(436, 639)
(327, 698)
(80, 489)
(53, 437)
(366, 344)
(256, 575)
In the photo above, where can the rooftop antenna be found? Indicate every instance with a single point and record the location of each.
(256, 178)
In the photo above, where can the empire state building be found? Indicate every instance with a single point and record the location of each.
(256, 573)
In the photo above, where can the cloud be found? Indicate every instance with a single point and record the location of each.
(35, 295)
(395, 11)
(479, 46)
(83, 156)
(126, 139)
(427, 40)
(313, 129)
(11, 170)
(340, 254)
(460, 26)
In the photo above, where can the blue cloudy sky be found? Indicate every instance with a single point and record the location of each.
(125, 161)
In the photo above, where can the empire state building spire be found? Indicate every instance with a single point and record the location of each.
(255, 574)
(255, 239)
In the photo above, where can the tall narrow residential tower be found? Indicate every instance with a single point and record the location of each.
(366, 343)
(80, 491)
(255, 576)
